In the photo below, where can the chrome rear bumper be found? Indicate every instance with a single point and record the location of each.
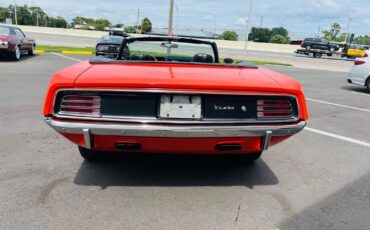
(88, 129)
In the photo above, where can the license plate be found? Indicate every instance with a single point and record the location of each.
(180, 107)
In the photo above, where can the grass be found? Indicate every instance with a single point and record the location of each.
(59, 49)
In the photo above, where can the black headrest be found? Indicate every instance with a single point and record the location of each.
(202, 57)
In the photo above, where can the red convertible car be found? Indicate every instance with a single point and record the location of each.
(13, 42)
(173, 95)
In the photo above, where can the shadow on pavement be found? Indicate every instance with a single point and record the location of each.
(24, 58)
(325, 58)
(348, 208)
(174, 170)
(356, 89)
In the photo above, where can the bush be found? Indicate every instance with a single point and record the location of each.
(130, 29)
(260, 35)
(279, 39)
(229, 35)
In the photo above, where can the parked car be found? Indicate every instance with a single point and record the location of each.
(13, 42)
(108, 46)
(360, 73)
(173, 95)
(320, 44)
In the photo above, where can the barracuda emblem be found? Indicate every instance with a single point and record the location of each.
(229, 108)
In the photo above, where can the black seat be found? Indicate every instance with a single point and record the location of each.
(202, 57)
(141, 57)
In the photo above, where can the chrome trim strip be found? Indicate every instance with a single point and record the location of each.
(145, 130)
(154, 120)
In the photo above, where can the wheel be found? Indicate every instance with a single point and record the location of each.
(249, 158)
(308, 48)
(31, 52)
(16, 55)
(91, 155)
(367, 84)
(331, 49)
(317, 55)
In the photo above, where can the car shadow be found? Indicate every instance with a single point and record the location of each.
(24, 58)
(174, 171)
(326, 58)
(356, 89)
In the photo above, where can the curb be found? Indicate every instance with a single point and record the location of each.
(65, 52)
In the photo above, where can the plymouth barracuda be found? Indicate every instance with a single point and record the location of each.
(13, 42)
(173, 95)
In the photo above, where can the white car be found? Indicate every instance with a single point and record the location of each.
(360, 73)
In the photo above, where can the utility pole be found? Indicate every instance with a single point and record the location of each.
(15, 13)
(177, 20)
(261, 21)
(137, 20)
(319, 32)
(348, 26)
(248, 22)
(37, 19)
(170, 18)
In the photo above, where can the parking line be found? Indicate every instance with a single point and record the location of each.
(363, 94)
(71, 58)
(339, 105)
(366, 144)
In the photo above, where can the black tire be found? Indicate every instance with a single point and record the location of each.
(308, 48)
(92, 155)
(31, 52)
(331, 49)
(367, 84)
(317, 55)
(248, 158)
(16, 55)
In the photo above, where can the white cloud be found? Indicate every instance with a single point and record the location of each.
(208, 18)
(242, 21)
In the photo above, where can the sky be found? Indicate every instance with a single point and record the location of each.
(302, 18)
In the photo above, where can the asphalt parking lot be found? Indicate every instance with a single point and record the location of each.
(319, 179)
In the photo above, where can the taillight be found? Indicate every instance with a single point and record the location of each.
(366, 55)
(80, 105)
(359, 62)
(274, 109)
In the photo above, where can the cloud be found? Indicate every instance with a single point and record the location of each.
(242, 21)
(208, 18)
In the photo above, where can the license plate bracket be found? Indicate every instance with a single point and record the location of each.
(180, 107)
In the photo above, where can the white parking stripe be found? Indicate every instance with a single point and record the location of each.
(339, 105)
(366, 144)
(71, 58)
(362, 94)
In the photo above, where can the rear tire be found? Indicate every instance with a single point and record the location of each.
(31, 52)
(16, 55)
(331, 50)
(91, 155)
(317, 55)
(367, 84)
(308, 48)
(248, 158)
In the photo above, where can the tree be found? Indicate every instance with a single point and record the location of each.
(279, 31)
(229, 35)
(333, 32)
(146, 25)
(363, 40)
(57, 22)
(100, 24)
(260, 35)
(279, 39)
(4, 14)
(130, 29)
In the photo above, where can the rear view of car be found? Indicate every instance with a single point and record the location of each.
(360, 73)
(108, 46)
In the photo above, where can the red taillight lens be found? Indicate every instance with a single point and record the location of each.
(366, 55)
(80, 105)
(359, 62)
(274, 109)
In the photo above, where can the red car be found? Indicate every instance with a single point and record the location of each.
(13, 42)
(173, 95)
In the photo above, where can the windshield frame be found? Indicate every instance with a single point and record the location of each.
(168, 39)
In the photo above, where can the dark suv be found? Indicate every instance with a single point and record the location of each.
(320, 44)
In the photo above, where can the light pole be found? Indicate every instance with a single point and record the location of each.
(177, 20)
(248, 23)
(348, 26)
(170, 18)
(15, 14)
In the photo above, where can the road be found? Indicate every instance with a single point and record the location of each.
(319, 179)
(325, 63)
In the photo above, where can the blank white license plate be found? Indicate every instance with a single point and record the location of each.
(180, 107)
